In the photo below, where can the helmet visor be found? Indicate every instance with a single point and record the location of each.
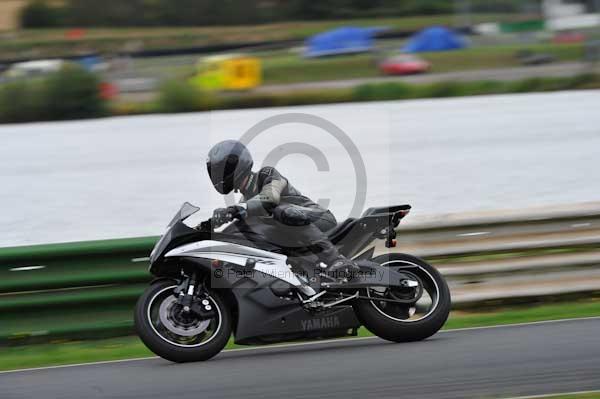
(222, 174)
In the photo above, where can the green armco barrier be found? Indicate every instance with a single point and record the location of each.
(73, 290)
(81, 248)
(74, 264)
(86, 290)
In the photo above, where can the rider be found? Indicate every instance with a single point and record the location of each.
(267, 192)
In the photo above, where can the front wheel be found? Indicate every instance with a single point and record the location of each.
(403, 322)
(179, 336)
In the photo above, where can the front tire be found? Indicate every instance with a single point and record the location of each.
(197, 339)
(399, 322)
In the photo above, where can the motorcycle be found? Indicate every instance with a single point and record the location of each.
(210, 284)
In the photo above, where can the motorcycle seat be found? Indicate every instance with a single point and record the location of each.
(339, 231)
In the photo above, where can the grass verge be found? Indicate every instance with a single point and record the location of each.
(60, 353)
(281, 68)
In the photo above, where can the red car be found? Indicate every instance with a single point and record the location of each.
(404, 65)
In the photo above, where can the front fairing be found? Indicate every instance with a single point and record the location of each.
(175, 235)
(176, 231)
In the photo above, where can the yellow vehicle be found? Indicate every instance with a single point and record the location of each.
(227, 72)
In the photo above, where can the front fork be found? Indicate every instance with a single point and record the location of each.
(193, 297)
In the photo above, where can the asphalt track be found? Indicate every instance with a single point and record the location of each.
(473, 363)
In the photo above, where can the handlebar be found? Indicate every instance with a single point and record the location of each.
(222, 216)
(209, 224)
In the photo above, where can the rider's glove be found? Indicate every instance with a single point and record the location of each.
(220, 216)
(225, 215)
(237, 212)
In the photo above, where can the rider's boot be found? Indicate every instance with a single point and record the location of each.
(342, 268)
(337, 266)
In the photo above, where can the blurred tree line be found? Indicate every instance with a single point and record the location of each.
(39, 13)
(70, 93)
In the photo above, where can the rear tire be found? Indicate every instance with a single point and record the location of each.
(161, 345)
(394, 329)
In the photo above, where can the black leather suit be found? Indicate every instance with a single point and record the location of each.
(297, 221)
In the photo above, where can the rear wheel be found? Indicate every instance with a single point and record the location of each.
(411, 321)
(170, 332)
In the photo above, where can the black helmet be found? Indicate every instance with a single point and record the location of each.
(228, 163)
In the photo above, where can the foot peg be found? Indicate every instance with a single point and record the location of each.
(342, 269)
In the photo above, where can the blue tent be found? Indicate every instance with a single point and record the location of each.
(341, 41)
(436, 38)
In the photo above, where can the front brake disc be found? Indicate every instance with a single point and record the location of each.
(166, 317)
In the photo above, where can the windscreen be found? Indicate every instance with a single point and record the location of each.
(184, 212)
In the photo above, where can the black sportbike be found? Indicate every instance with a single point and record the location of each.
(210, 285)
